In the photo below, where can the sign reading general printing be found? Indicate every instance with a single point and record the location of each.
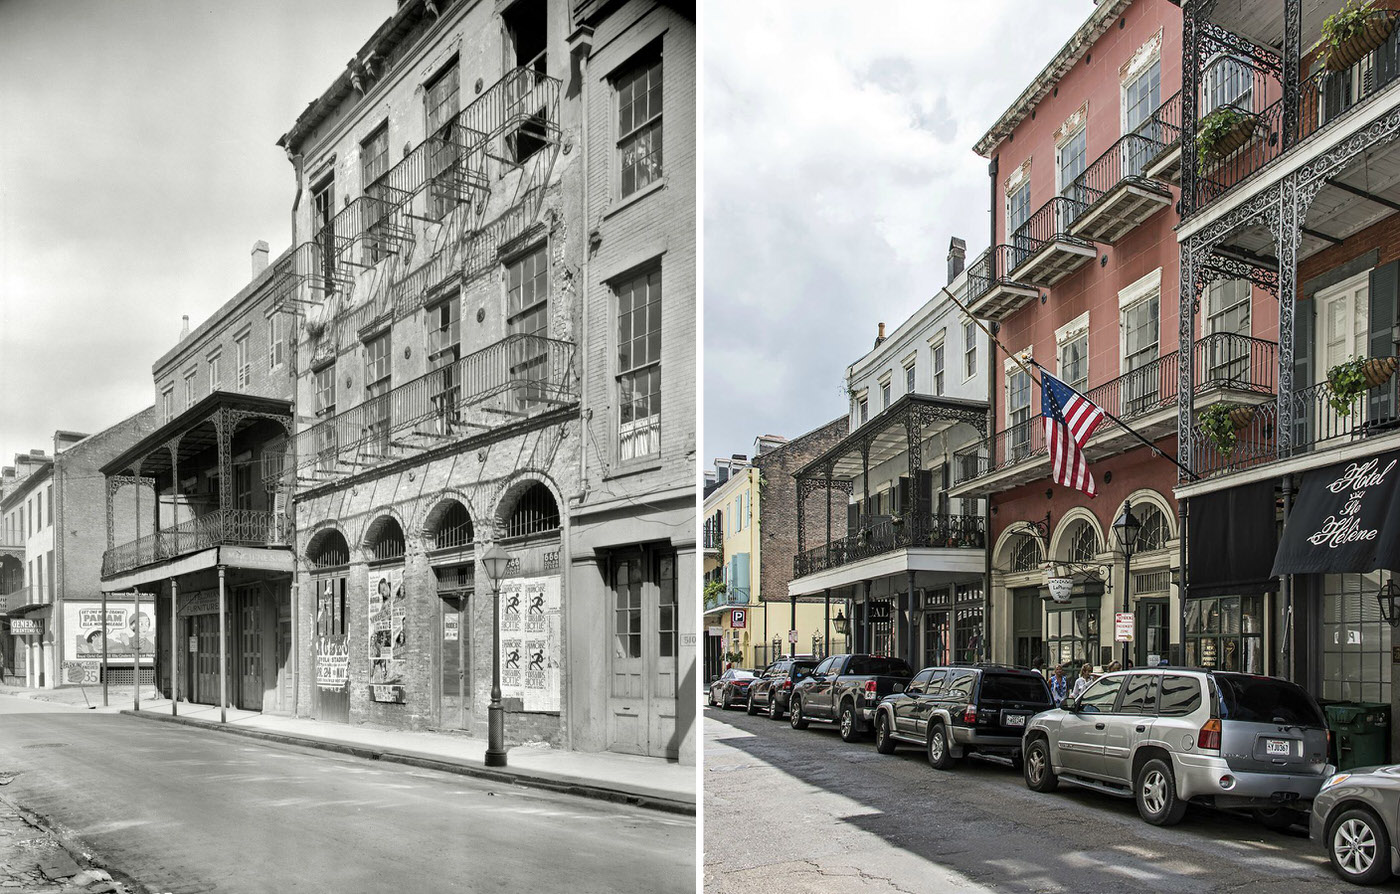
(27, 626)
(83, 631)
(531, 642)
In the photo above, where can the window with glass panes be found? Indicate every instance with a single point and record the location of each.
(1074, 362)
(969, 349)
(1227, 320)
(909, 379)
(627, 609)
(1226, 633)
(1227, 81)
(378, 372)
(215, 382)
(938, 361)
(967, 623)
(1139, 322)
(323, 385)
(1070, 157)
(885, 395)
(322, 212)
(1072, 633)
(189, 389)
(440, 105)
(639, 366)
(444, 346)
(1355, 639)
(242, 368)
(527, 321)
(863, 409)
(1018, 208)
(668, 615)
(167, 403)
(639, 125)
(1083, 544)
(374, 162)
(276, 346)
(1141, 97)
(1018, 410)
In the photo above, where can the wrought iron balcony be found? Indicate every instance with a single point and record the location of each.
(992, 293)
(886, 535)
(1225, 364)
(17, 599)
(222, 527)
(1118, 195)
(517, 378)
(1164, 127)
(1043, 249)
(714, 539)
(726, 599)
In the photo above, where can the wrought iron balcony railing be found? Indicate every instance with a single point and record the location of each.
(1123, 162)
(16, 598)
(885, 535)
(1223, 360)
(714, 539)
(992, 268)
(222, 527)
(516, 378)
(721, 600)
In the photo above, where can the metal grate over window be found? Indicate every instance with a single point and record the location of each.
(1153, 534)
(388, 543)
(330, 551)
(1084, 545)
(535, 513)
(1026, 555)
(455, 529)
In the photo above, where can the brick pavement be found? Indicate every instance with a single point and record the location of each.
(28, 848)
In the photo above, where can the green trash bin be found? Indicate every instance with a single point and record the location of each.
(1360, 733)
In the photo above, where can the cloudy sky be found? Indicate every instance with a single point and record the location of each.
(838, 163)
(138, 166)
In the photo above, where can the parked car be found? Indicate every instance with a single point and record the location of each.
(956, 711)
(1354, 817)
(772, 690)
(1168, 736)
(732, 686)
(844, 689)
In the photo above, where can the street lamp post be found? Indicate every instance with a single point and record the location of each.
(1126, 529)
(841, 625)
(494, 562)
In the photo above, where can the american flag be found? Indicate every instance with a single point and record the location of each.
(1070, 418)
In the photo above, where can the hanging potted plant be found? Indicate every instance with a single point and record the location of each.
(1222, 132)
(1353, 32)
(1350, 379)
(1221, 423)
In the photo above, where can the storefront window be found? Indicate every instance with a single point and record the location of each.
(1355, 639)
(1072, 633)
(967, 632)
(1226, 633)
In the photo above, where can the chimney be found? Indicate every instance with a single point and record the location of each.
(259, 257)
(881, 337)
(185, 327)
(957, 256)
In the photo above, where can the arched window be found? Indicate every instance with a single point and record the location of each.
(1083, 544)
(535, 512)
(455, 528)
(1154, 533)
(329, 550)
(387, 540)
(1026, 554)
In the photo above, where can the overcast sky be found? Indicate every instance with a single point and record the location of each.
(838, 163)
(138, 166)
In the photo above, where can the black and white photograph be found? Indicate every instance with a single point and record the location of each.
(348, 501)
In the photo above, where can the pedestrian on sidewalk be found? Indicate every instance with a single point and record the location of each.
(1086, 676)
(1059, 684)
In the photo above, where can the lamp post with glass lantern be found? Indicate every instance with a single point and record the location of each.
(841, 624)
(1126, 529)
(494, 561)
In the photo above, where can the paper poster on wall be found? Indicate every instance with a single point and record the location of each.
(83, 632)
(530, 642)
(332, 646)
(388, 639)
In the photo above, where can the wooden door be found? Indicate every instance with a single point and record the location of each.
(250, 673)
(455, 680)
(627, 722)
(331, 692)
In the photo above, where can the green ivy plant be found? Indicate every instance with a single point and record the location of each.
(1346, 23)
(1214, 128)
(715, 589)
(1347, 381)
(1216, 425)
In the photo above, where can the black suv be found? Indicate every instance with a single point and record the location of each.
(771, 691)
(960, 710)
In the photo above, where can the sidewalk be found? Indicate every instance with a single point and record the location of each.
(645, 782)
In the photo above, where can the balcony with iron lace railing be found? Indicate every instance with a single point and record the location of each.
(513, 380)
(1164, 127)
(1117, 195)
(19, 599)
(880, 535)
(221, 527)
(1228, 367)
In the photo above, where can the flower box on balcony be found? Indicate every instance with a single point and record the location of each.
(1354, 32)
(1352, 378)
(1223, 132)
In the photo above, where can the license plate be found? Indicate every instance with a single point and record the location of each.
(1278, 746)
(1015, 719)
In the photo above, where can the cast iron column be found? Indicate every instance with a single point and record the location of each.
(136, 628)
(174, 646)
(223, 649)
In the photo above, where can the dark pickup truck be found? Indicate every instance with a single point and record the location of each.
(845, 689)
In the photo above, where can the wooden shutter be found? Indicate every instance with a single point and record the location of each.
(1304, 354)
(1380, 402)
(923, 492)
(902, 498)
(853, 518)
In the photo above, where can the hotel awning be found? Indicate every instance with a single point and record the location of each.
(1346, 519)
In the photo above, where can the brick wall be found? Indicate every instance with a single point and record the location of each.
(778, 506)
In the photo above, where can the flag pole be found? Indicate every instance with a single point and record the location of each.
(1112, 418)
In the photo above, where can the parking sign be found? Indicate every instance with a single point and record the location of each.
(738, 618)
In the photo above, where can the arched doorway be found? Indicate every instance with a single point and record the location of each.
(328, 554)
(450, 537)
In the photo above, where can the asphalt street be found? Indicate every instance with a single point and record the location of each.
(184, 810)
(802, 811)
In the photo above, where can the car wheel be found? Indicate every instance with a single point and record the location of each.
(712, 698)
(1036, 768)
(1155, 793)
(774, 712)
(750, 708)
(884, 742)
(795, 714)
(1280, 819)
(850, 726)
(728, 699)
(1359, 847)
(940, 755)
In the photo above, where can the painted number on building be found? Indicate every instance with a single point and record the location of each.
(738, 618)
(688, 640)
(1123, 627)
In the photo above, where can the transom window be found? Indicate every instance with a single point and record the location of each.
(639, 366)
(1154, 533)
(388, 541)
(455, 528)
(1083, 544)
(329, 550)
(1026, 554)
(534, 513)
(639, 125)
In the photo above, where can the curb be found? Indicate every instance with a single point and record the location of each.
(549, 782)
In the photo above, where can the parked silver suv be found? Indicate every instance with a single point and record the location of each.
(1166, 736)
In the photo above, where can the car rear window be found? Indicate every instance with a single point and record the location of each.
(802, 668)
(960, 684)
(743, 675)
(873, 664)
(1179, 695)
(1266, 700)
(1015, 687)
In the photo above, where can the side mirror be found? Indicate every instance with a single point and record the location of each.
(1070, 704)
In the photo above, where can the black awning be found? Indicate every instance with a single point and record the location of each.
(1231, 538)
(1346, 519)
